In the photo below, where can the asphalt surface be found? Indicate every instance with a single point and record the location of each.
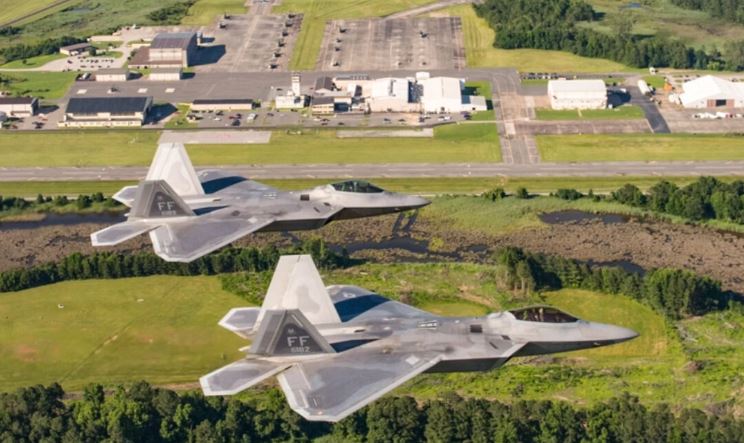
(404, 170)
(653, 115)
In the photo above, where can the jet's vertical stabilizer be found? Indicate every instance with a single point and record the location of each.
(288, 332)
(296, 284)
(172, 164)
(156, 199)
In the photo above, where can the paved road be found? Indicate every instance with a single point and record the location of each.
(407, 170)
(653, 115)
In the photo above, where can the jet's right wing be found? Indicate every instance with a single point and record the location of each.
(330, 389)
(188, 240)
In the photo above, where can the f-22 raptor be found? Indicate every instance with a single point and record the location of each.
(335, 349)
(188, 215)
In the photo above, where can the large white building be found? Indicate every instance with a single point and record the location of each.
(577, 94)
(445, 94)
(712, 92)
(19, 106)
(391, 95)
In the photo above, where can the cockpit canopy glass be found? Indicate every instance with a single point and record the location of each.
(543, 314)
(358, 186)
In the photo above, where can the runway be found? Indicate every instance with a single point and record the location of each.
(398, 170)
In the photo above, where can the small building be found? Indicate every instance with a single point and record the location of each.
(577, 94)
(290, 101)
(19, 106)
(76, 49)
(712, 92)
(166, 74)
(223, 104)
(113, 75)
(323, 105)
(82, 112)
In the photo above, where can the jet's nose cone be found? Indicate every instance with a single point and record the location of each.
(619, 334)
(415, 202)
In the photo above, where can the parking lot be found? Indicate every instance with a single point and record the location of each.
(685, 120)
(251, 42)
(383, 44)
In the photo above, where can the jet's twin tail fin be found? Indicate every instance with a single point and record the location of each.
(172, 164)
(157, 199)
(296, 284)
(288, 333)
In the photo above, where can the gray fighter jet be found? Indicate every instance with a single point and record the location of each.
(189, 215)
(335, 349)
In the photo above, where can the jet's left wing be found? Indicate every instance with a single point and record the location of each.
(189, 240)
(330, 389)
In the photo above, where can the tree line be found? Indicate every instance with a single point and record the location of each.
(552, 24)
(143, 413)
(731, 10)
(120, 265)
(44, 47)
(674, 293)
(704, 199)
(41, 202)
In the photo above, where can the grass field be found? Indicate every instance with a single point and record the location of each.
(33, 62)
(639, 147)
(451, 143)
(622, 113)
(318, 12)
(105, 334)
(480, 52)
(427, 186)
(205, 12)
(45, 85)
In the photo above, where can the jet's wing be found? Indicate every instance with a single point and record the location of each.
(213, 181)
(332, 388)
(188, 240)
(239, 376)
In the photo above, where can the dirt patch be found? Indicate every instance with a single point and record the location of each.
(25, 353)
(650, 244)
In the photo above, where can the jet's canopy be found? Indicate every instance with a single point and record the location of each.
(543, 314)
(357, 186)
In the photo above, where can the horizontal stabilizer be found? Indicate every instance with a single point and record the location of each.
(120, 232)
(126, 195)
(240, 320)
(238, 376)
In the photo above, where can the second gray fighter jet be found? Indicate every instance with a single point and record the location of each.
(188, 215)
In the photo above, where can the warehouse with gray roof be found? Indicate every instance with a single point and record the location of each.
(83, 112)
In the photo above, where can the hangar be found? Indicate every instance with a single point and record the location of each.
(392, 95)
(19, 106)
(113, 75)
(168, 50)
(76, 49)
(712, 92)
(166, 74)
(84, 112)
(445, 94)
(577, 94)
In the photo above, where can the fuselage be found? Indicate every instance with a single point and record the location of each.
(467, 343)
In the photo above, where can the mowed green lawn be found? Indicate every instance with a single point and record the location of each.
(33, 62)
(49, 85)
(639, 147)
(162, 329)
(317, 12)
(205, 12)
(451, 143)
(480, 53)
(627, 112)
